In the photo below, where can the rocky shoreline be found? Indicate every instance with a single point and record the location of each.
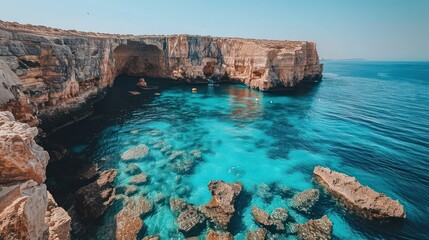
(30, 212)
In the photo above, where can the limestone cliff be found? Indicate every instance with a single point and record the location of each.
(61, 71)
(24, 204)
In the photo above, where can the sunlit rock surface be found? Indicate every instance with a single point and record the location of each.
(359, 198)
(64, 71)
(315, 229)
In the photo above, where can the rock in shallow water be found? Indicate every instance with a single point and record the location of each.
(221, 208)
(190, 219)
(212, 235)
(139, 179)
(133, 169)
(365, 201)
(305, 201)
(320, 229)
(93, 199)
(139, 151)
(275, 221)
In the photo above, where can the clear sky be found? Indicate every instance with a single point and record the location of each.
(370, 29)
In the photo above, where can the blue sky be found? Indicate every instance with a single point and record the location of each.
(370, 29)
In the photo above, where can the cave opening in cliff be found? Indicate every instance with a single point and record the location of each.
(139, 59)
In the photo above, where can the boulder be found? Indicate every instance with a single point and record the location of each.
(221, 208)
(261, 216)
(141, 83)
(315, 229)
(274, 222)
(133, 169)
(305, 201)
(212, 235)
(361, 199)
(22, 211)
(139, 151)
(93, 199)
(177, 204)
(139, 179)
(58, 220)
(20, 157)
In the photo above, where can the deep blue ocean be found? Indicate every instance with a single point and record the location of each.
(366, 119)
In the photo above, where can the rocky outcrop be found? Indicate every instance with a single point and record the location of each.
(128, 220)
(139, 151)
(275, 221)
(64, 71)
(58, 220)
(361, 199)
(315, 229)
(93, 199)
(212, 235)
(259, 234)
(221, 208)
(305, 201)
(20, 157)
(26, 212)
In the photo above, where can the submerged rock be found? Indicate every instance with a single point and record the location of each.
(154, 237)
(131, 190)
(177, 204)
(259, 234)
(265, 192)
(133, 169)
(139, 179)
(305, 201)
(221, 208)
(93, 199)
(212, 235)
(176, 154)
(275, 221)
(365, 201)
(139, 151)
(316, 229)
(89, 172)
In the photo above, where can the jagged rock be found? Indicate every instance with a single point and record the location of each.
(305, 201)
(365, 201)
(275, 221)
(212, 235)
(22, 211)
(131, 190)
(89, 172)
(58, 220)
(128, 220)
(133, 169)
(264, 192)
(139, 151)
(93, 199)
(139, 179)
(141, 83)
(279, 217)
(316, 229)
(259, 234)
(20, 157)
(190, 219)
(221, 208)
(261, 216)
(177, 204)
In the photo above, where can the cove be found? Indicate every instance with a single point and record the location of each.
(365, 119)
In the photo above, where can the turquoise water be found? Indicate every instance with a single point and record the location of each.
(366, 119)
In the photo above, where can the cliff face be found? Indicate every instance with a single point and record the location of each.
(62, 70)
(25, 210)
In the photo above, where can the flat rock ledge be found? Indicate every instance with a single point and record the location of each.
(362, 199)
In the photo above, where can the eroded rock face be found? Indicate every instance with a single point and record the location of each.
(316, 229)
(20, 157)
(22, 211)
(93, 199)
(63, 71)
(190, 219)
(259, 234)
(305, 201)
(221, 208)
(365, 201)
(58, 220)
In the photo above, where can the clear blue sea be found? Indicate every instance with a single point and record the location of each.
(366, 119)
